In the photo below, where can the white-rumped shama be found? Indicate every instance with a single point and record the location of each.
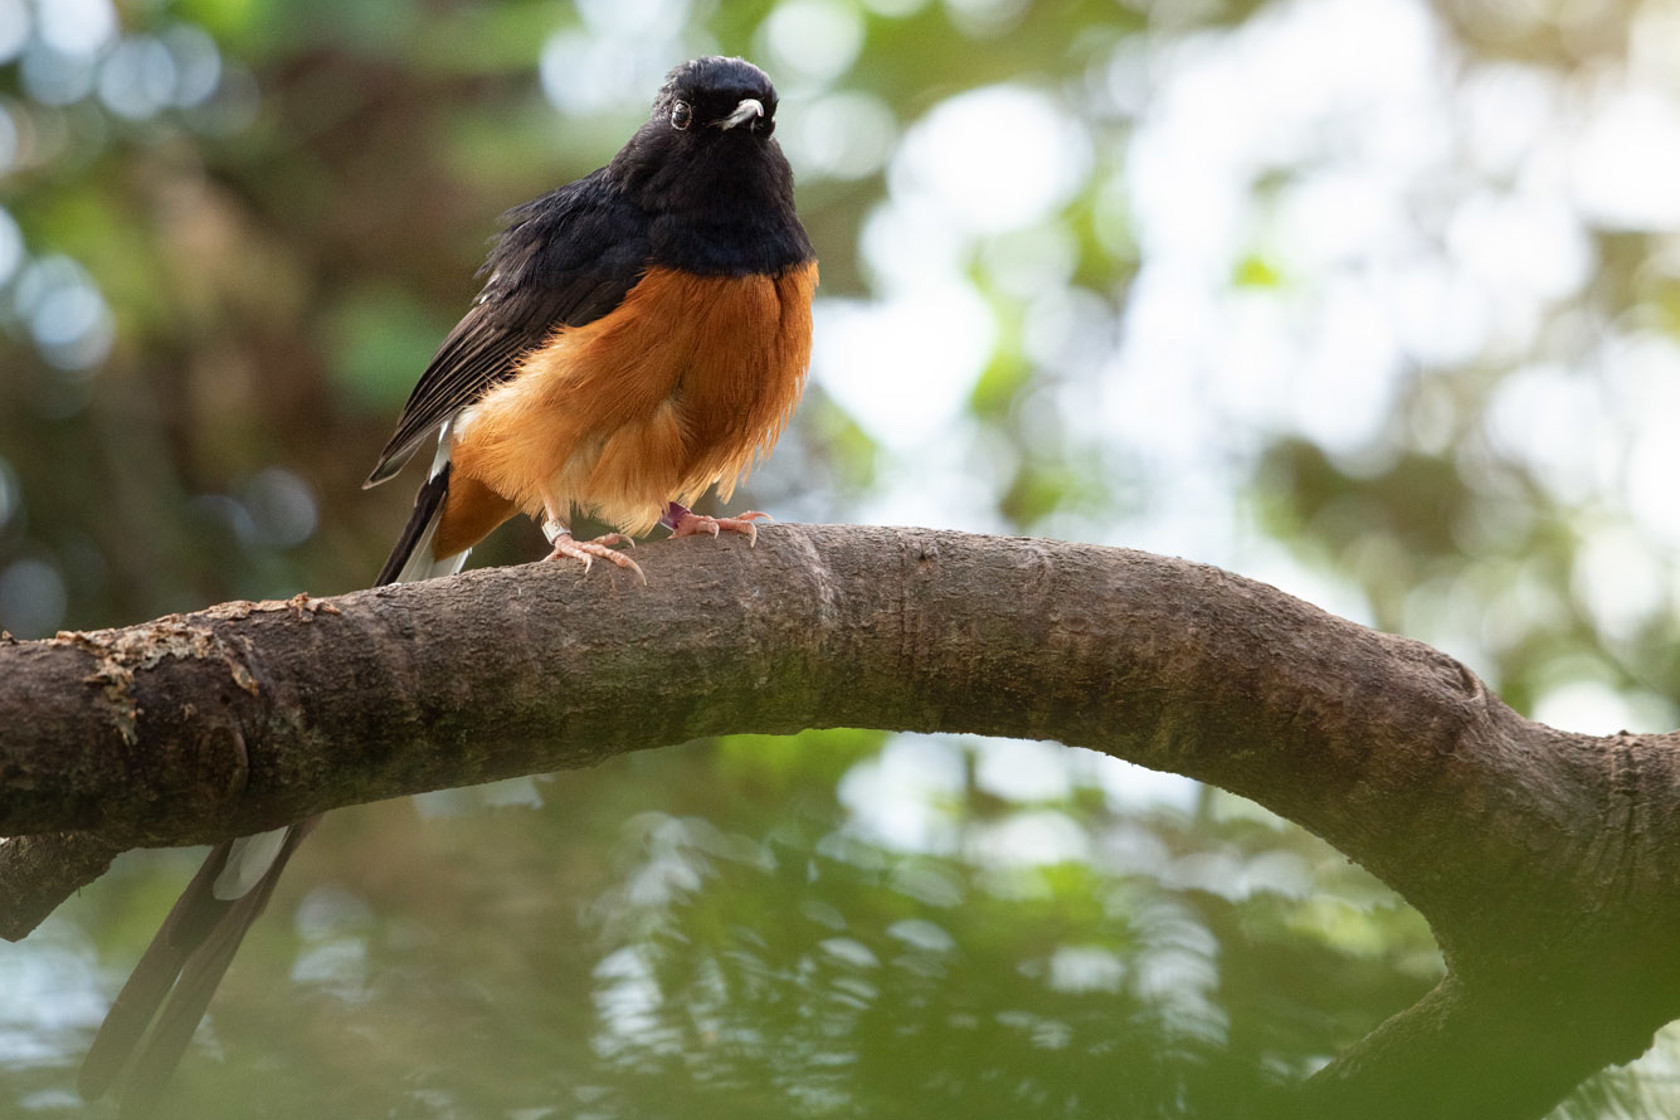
(643, 333)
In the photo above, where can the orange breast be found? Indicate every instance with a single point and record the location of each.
(683, 385)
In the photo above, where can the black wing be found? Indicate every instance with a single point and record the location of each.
(565, 259)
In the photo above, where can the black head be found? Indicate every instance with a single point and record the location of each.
(709, 175)
(711, 97)
(709, 137)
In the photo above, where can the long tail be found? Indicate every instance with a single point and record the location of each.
(193, 948)
(184, 964)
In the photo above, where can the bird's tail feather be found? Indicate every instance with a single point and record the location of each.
(411, 557)
(179, 972)
(175, 978)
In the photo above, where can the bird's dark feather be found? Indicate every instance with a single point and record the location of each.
(427, 503)
(565, 259)
(174, 981)
(181, 933)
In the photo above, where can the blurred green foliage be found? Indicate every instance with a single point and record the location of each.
(233, 258)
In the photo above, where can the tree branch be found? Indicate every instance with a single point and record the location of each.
(39, 872)
(1541, 858)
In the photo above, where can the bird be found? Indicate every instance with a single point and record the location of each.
(642, 334)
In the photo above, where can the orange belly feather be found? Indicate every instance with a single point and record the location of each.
(683, 385)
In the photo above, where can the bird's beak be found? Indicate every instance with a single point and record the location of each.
(748, 109)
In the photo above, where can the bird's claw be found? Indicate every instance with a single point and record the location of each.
(568, 548)
(693, 524)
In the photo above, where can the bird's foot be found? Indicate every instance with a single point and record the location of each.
(567, 547)
(689, 524)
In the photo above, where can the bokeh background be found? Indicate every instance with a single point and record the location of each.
(1377, 300)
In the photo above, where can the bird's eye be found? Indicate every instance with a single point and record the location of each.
(764, 126)
(681, 115)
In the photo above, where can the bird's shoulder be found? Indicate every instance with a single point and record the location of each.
(565, 258)
(563, 253)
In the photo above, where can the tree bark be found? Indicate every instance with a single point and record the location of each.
(1542, 859)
